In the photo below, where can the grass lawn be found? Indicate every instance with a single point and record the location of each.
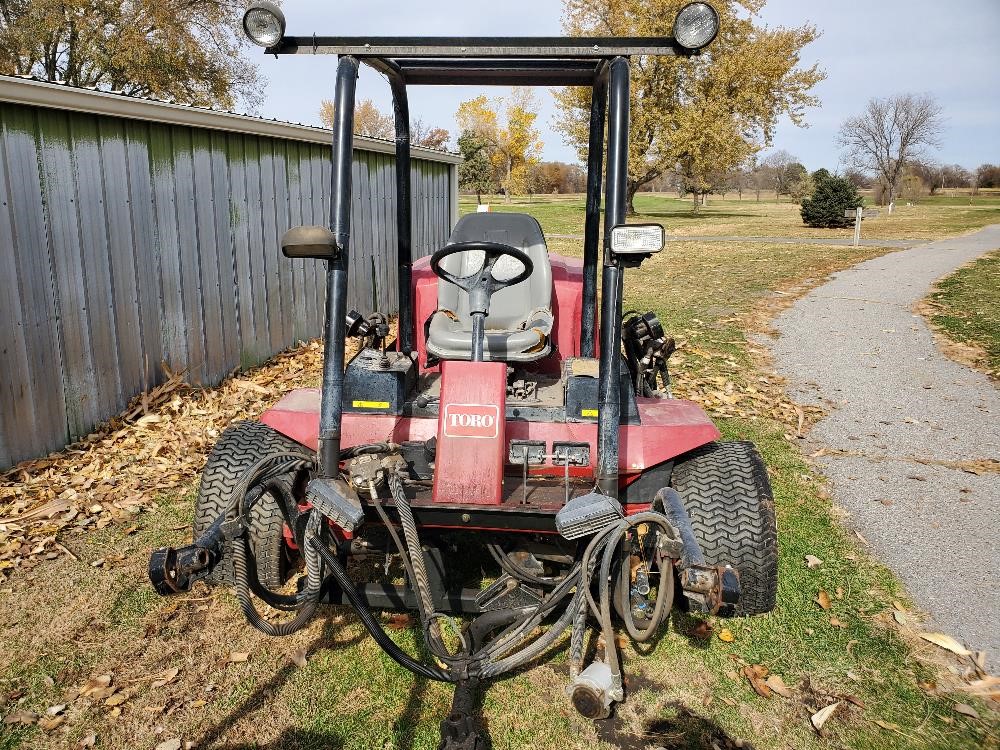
(965, 307)
(67, 620)
(930, 218)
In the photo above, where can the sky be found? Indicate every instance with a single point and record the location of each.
(947, 49)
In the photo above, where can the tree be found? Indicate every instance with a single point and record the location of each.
(889, 133)
(698, 114)
(475, 173)
(987, 176)
(372, 122)
(513, 141)
(801, 187)
(428, 136)
(831, 197)
(182, 50)
(859, 179)
(780, 169)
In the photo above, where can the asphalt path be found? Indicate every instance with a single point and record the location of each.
(904, 431)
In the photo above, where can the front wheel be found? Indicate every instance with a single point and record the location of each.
(728, 497)
(241, 447)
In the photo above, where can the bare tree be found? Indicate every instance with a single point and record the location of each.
(888, 133)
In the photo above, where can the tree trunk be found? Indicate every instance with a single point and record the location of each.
(631, 188)
(694, 202)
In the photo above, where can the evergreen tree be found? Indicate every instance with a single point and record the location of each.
(831, 197)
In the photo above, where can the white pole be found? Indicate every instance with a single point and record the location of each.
(857, 226)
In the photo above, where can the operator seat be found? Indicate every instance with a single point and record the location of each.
(519, 323)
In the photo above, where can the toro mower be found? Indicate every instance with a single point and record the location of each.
(508, 419)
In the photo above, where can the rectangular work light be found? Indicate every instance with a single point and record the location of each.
(637, 239)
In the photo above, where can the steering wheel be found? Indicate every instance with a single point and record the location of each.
(482, 284)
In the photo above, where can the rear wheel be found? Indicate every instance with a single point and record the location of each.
(242, 446)
(727, 494)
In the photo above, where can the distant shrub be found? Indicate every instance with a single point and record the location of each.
(831, 197)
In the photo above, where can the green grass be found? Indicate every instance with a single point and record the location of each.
(967, 308)
(928, 218)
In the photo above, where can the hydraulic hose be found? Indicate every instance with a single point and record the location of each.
(664, 599)
(309, 595)
(673, 509)
(512, 568)
(430, 671)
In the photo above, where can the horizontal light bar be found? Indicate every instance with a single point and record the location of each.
(637, 239)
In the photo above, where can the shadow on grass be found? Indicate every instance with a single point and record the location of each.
(262, 696)
(676, 727)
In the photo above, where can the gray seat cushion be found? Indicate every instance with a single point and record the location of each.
(520, 318)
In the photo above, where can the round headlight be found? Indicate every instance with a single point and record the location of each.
(696, 26)
(264, 23)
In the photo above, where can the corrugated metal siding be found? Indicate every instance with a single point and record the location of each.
(126, 243)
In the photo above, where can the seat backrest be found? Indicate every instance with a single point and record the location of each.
(509, 307)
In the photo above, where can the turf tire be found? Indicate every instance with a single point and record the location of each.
(727, 494)
(242, 445)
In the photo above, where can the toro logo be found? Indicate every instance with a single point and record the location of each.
(472, 420)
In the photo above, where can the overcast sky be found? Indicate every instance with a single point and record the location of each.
(948, 49)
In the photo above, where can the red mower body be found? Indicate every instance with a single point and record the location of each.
(475, 426)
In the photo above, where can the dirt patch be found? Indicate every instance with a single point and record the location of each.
(970, 355)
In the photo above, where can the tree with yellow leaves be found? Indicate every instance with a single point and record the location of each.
(185, 50)
(512, 142)
(698, 115)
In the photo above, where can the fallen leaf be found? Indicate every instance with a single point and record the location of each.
(886, 725)
(988, 686)
(837, 623)
(855, 700)
(823, 599)
(21, 717)
(966, 710)
(400, 621)
(728, 701)
(89, 741)
(702, 630)
(726, 635)
(778, 685)
(820, 718)
(298, 657)
(49, 723)
(198, 703)
(95, 683)
(165, 678)
(840, 592)
(237, 657)
(171, 744)
(756, 673)
(946, 642)
(116, 700)
(900, 617)
(812, 561)
(55, 710)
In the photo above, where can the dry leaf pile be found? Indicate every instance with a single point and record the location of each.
(159, 444)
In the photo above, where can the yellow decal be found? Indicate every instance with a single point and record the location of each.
(370, 404)
(588, 412)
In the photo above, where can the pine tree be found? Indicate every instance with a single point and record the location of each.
(831, 197)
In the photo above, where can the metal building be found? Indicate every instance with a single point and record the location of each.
(135, 232)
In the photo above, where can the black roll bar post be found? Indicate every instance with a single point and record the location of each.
(404, 232)
(331, 405)
(591, 234)
(609, 414)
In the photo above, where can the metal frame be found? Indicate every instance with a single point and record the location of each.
(600, 63)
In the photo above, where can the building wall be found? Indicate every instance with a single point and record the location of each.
(126, 242)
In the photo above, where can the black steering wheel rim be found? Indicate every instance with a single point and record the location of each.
(492, 251)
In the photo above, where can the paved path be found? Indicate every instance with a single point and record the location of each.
(855, 346)
(770, 240)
